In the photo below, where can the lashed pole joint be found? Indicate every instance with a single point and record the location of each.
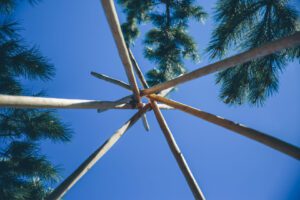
(170, 139)
(142, 79)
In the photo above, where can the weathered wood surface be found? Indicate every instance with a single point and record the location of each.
(114, 24)
(253, 134)
(142, 79)
(45, 102)
(111, 80)
(138, 70)
(177, 153)
(11, 101)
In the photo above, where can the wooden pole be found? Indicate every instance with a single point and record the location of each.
(177, 154)
(11, 101)
(160, 105)
(138, 70)
(112, 18)
(115, 27)
(111, 80)
(145, 123)
(258, 136)
(165, 92)
(45, 102)
(66, 185)
(264, 50)
(127, 99)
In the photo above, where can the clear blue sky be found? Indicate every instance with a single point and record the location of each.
(74, 34)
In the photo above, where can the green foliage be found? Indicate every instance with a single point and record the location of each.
(19, 60)
(243, 25)
(33, 125)
(168, 43)
(24, 172)
(137, 12)
(7, 6)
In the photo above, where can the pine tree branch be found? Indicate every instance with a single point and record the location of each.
(168, 14)
(264, 50)
(258, 136)
(94, 157)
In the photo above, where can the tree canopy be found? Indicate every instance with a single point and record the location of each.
(240, 25)
(168, 43)
(243, 25)
(25, 173)
(8, 6)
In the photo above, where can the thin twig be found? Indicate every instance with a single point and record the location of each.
(111, 80)
(138, 70)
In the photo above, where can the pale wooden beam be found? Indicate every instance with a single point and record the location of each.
(160, 105)
(258, 136)
(177, 154)
(264, 50)
(46, 102)
(67, 184)
(111, 80)
(10, 101)
(170, 139)
(127, 100)
(165, 107)
(112, 18)
(165, 92)
(139, 72)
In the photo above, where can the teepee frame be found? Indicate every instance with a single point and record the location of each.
(155, 94)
